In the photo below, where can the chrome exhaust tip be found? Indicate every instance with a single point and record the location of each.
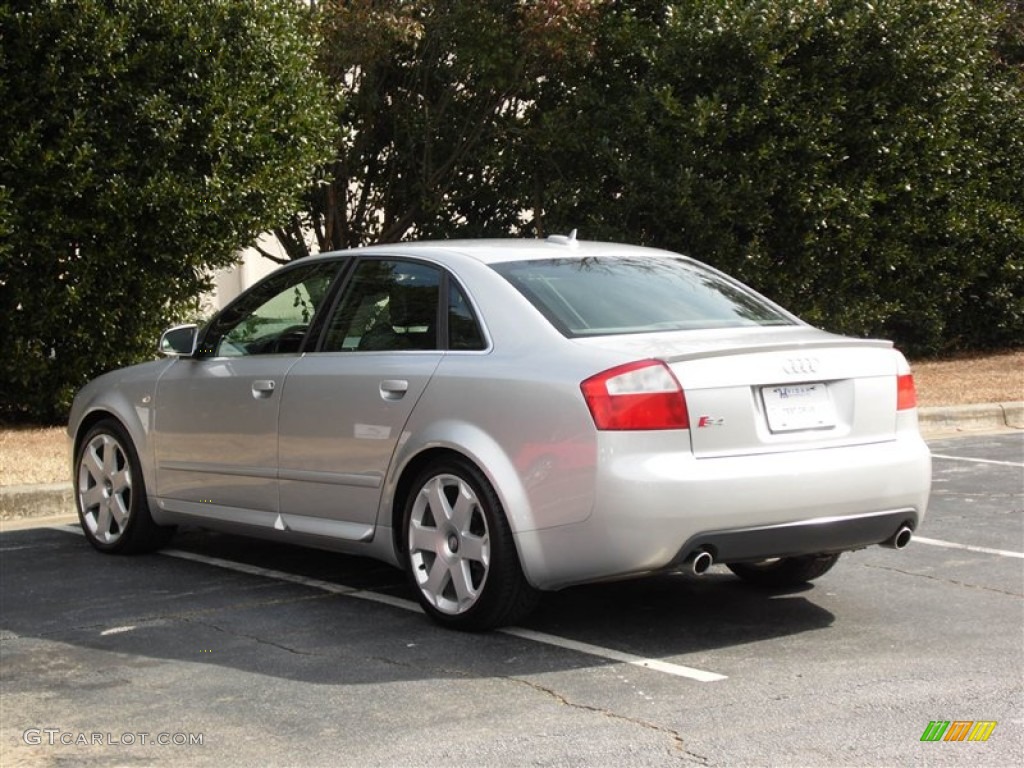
(699, 562)
(900, 539)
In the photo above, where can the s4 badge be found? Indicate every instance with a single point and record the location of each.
(710, 421)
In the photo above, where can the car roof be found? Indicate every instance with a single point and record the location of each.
(494, 251)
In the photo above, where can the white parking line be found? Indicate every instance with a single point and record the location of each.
(968, 547)
(607, 653)
(978, 461)
(610, 654)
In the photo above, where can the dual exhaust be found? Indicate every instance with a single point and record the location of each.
(700, 561)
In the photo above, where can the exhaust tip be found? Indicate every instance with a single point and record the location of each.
(900, 539)
(700, 562)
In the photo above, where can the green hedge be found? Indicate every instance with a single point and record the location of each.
(862, 163)
(143, 142)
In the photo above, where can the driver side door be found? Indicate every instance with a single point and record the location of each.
(216, 413)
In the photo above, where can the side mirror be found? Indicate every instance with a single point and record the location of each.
(179, 341)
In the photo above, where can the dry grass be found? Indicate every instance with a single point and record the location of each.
(33, 455)
(970, 379)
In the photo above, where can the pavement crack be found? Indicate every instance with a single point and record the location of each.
(394, 662)
(945, 580)
(679, 749)
(247, 636)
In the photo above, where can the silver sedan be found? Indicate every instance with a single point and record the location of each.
(499, 418)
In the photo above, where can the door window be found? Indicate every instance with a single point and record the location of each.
(388, 305)
(274, 317)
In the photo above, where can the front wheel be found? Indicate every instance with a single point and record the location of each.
(111, 494)
(460, 556)
(784, 571)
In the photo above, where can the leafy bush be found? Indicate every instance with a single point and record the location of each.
(859, 162)
(143, 143)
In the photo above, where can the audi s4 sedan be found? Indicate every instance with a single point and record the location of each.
(500, 418)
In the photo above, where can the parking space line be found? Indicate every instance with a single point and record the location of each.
(968, 547)
(978, 461)
(269, 573)
(609, 654)
(527, 634)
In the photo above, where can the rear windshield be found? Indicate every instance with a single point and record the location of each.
(604, 296)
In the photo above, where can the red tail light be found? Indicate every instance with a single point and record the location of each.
(640, 395)
(906, 395)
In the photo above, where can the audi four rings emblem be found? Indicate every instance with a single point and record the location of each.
(801, 365)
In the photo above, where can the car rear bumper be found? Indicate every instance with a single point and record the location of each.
(654, 507)
(824, 535)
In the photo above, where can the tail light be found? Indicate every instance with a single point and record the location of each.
(640, 395)
(906, 395)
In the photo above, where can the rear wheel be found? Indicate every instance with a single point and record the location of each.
(111, 494)
(784, 571)
(460, 555)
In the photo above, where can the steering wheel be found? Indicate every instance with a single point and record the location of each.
(289, 340)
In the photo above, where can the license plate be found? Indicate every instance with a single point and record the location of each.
(792, 407)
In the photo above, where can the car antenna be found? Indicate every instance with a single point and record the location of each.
(563, 239)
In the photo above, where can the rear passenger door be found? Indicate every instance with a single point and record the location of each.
(344, 406)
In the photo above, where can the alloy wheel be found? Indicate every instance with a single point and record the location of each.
(449, 544)
(105, 487)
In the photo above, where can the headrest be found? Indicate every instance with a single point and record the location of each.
(413, 305)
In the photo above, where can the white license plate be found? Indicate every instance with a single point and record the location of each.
(791, 407)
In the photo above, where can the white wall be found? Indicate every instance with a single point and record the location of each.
(252, 267)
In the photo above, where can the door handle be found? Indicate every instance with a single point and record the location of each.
(393, 389)
(263, 388)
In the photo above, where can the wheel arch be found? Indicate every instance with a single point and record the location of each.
(126, 396)
(473, 446)
(90, 420)
(135, 430)
(508, 593)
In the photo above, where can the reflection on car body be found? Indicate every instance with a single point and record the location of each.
(505, 417)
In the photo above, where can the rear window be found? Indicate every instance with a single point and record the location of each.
(605, 296)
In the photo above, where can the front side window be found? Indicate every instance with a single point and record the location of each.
(617, 295)
(274, 317)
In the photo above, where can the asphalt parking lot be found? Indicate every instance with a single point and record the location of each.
(224, 651)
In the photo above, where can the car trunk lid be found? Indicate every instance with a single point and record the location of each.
(774, 389)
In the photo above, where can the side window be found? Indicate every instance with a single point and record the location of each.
(274, 317)
(388, 305)
(463, 330)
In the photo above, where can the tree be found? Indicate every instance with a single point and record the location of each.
(434, 94)
(859, 162)
(143, 143)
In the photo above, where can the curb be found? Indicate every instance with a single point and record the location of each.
(19, 502)
(945, 420)
(23, 501)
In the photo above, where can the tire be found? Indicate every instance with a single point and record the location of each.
(111, 494)
(785, 571)
(460, 556)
